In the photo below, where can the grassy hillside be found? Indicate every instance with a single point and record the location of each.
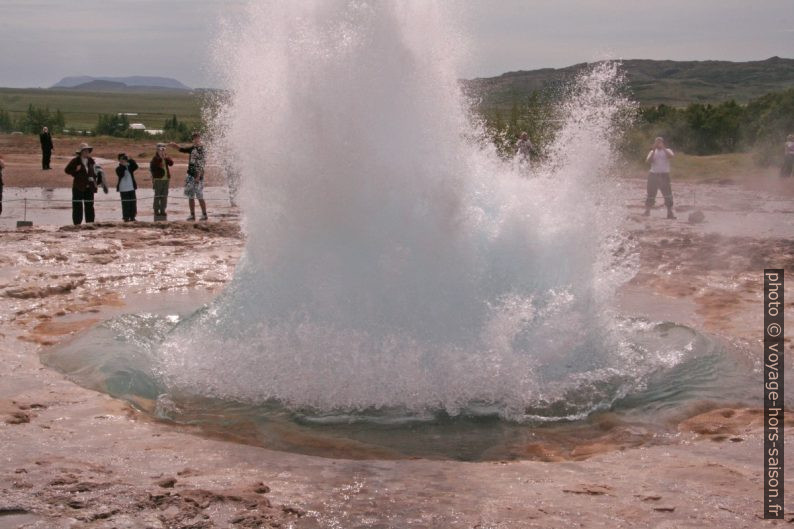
(82, 108)
(675, 83)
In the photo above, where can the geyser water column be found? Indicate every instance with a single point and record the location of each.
(394, 264)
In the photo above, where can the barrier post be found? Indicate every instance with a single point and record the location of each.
(24, 223)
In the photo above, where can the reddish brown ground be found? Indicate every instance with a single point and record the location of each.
(22, 156)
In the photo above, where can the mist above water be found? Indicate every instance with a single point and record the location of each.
(394, 263)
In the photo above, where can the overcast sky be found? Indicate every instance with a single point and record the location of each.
(42, 41)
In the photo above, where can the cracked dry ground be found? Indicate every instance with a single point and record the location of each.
(70, 457)
(57, 282)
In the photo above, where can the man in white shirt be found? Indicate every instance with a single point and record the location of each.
(659, 177)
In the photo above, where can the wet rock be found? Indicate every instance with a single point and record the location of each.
(293, 510)
(696, 217)
(36, 291)
(201, 498)
(591, 490)
(167, 483)
(541, 452)
(261, 488)
(68, 479)
(648, 497)
(18, 417)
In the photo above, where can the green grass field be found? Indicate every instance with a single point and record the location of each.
(82, 108)
(732, 166)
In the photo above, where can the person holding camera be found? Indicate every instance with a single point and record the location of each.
(126, 187)
(161, 176)
(659, 177)
(82, 169)
(194, 182)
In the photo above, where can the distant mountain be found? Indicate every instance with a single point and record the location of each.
(136, 81)
(653, 82)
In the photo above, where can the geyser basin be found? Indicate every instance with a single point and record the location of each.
(404, 289)
(684, 370)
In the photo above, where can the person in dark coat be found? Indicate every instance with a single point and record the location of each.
(46, 148)
(84, 184)
(126, 187)
(2, 166)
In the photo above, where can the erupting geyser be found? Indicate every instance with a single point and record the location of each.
(394, 262)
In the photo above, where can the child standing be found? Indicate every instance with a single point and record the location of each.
(126, 187)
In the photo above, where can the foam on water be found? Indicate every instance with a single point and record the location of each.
(393, 261)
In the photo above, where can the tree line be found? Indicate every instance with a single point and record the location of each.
(32, 121)
(35, 118)
(759, 126)
(118, 125)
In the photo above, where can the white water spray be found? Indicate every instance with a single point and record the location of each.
(392, 262)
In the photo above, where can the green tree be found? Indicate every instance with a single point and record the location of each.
(173, 129)
(35, 119)
(6, 123)
(113, 125)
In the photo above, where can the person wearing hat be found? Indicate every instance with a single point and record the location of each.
(788, 157)
(194, 182)
(84, 183)
(126, 187)
(659, 177)
(161, 176)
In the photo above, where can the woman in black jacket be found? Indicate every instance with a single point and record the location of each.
(126, 186)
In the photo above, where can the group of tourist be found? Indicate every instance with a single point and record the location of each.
(88, 176)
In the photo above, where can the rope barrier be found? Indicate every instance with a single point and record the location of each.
(25, 200)
(148, 197)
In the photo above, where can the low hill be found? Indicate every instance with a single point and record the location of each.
(113, 86)
(135, 81)
(652, 82)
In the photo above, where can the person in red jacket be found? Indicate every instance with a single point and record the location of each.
(84, 184)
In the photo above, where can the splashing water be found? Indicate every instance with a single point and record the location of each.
(403, 289)
(393, 262)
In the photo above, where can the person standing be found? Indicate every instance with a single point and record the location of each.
(46, 148)
(84, 184)
(126, 187)
(194, 182)
(161, 176)
(788, 157)
(2, 166)
(659, 177)
(524, 148)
